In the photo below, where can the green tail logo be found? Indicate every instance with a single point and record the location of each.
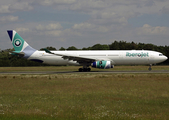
(17, 42)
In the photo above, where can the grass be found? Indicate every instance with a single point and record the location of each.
(84, 96)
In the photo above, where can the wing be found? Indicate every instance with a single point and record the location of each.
(79, 59)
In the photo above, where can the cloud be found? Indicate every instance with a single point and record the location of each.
(149, 30)
(18, 6)
(9, 18)
(13, 6)
(107, 20)
(121, 7)
(165, 10)
(21, 29)
(83, 26)
(51, 26)
(55, 33)
(51, 2)
(52, 29)
(4, 9)
(87, 27)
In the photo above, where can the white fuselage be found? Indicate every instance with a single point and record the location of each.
(117, 57)
(103, 59)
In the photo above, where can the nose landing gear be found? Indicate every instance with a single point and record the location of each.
(150, 67)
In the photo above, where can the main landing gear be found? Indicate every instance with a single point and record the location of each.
(84, 69)
(150, 67)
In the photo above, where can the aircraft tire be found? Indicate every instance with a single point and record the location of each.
(85, 69)
(89, 69)
(80, 70)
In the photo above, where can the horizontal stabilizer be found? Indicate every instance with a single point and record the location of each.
(20, 54)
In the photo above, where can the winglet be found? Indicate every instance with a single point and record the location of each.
(47, 51)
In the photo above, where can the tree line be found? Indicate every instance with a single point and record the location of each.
(8, 60)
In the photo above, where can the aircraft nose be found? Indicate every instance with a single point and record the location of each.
(165, 57)
(161, 59)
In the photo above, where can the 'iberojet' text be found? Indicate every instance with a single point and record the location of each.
(137, 54)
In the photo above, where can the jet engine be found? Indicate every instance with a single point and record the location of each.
(102, 64)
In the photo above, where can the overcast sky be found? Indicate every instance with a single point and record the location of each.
(84, 23)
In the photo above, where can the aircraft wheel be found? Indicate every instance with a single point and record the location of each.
(89, 69)
(80, 69)
(85, 69)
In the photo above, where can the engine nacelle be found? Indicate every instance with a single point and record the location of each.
(102, 64)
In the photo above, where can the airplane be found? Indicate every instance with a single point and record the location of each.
(102, 59)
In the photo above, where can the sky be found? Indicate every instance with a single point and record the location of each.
(84, 23)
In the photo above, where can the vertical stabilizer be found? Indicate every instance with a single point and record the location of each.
(19, 44)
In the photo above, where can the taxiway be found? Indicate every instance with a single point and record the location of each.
(92, 72)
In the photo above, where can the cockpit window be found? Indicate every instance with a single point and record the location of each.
(160, 54)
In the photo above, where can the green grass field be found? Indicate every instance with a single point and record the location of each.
(84, 96)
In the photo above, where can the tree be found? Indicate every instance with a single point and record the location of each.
(122, 45)
(100, 47)
(62, 48)
(133, 46)
(149, 47)
(85, 48)
(72, 48)
(114, 46)
(49, 48)
(140, 46)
